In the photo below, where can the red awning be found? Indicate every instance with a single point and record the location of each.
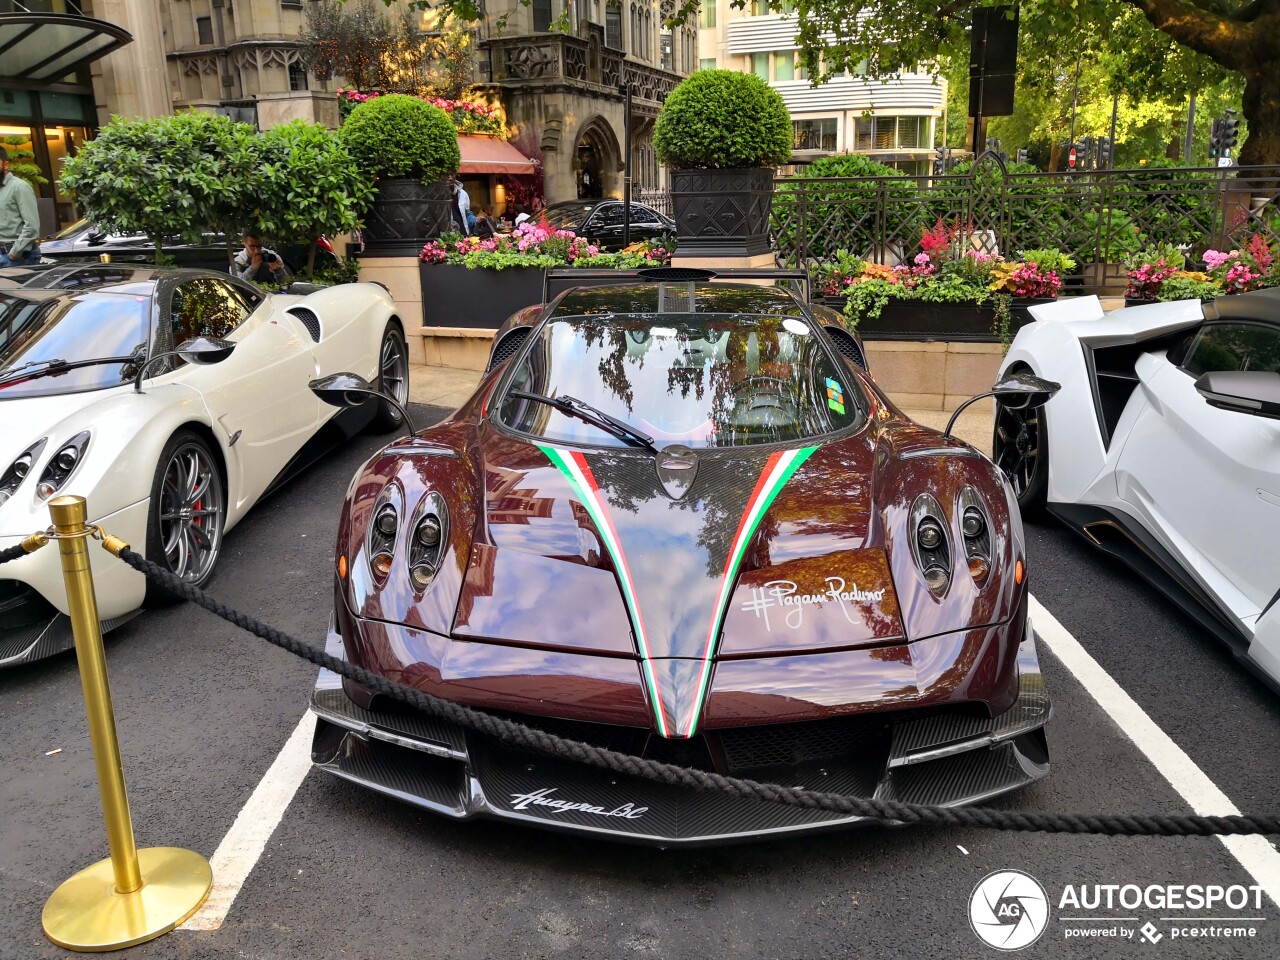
(485, 155)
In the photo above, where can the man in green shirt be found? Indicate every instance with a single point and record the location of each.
(19, 218)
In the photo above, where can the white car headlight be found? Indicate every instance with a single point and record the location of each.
(12, 478)
(60, 467)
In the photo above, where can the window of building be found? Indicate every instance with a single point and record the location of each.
(707, 14)
(613, 26)
(760, 65)
(665, 42)
(784, 66)
(204, 30)
(759, 8)
(863, 128)
(541, 15)
(819, 134)
(298, 76)
(802, 72)
(707, 63)
(886, 133)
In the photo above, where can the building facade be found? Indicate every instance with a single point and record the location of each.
(564, 89)
(895, 121)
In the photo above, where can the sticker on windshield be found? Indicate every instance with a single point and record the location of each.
(798, 327)
(835, 396)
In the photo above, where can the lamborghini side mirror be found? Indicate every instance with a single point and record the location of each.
(1242, 391)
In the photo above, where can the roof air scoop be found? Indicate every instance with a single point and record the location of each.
(675, 274)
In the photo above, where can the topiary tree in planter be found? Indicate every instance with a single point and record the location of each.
(722, 133)
(311, 186)
(405, 146)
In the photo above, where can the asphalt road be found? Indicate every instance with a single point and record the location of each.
(203, 710)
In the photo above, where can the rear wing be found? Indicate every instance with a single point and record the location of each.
(559, 279)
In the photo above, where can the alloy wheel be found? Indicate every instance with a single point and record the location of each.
(1018, 447)
(394, 370)
(190, 513)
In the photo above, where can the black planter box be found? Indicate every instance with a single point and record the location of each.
(722, 212)
(1139, 301)
(405, 214)
(454, 296)
(916, 320)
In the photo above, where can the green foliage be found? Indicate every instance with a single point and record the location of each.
(20, 159)
(334, 272)
(1048, 259)
(722, 119)
(1118, 236)
(1189, 288)
(309, 185)
(1154, 253)
(401, 136)
(168, 177)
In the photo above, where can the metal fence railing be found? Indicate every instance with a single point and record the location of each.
(1097, 217)
(659, 200)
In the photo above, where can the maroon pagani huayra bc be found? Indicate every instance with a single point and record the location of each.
(678, 519)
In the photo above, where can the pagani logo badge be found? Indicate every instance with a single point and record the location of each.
(1009, 910)
(782, 593)
(543, 798)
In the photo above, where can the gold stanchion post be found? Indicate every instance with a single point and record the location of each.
(135, 895)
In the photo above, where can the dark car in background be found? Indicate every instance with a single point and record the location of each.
(600, 221)
(86, 240)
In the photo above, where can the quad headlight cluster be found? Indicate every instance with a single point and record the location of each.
(931, 540)
(426, 540)
(56, 472)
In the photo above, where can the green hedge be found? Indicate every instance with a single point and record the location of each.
(401, 136)
(723, 119)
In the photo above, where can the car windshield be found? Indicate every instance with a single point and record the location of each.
(565, 216)
(701, 380)
(35, 330)
(73, 231)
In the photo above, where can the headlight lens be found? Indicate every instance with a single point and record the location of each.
(930, 545)
(381, 545)
(12, 478)
(976, 530)
(60, 467)
(429, 541)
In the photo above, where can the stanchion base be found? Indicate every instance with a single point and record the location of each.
(86, 914)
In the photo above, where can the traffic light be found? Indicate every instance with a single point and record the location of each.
(943, 153)
(1215, 140)
(1230, 133)
(1022, 155)
(1104, 153)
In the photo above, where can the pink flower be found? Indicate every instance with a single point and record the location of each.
(1213, 259)
(921, 259)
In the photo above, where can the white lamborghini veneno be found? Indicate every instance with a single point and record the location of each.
(1163, 449)
(220, 412)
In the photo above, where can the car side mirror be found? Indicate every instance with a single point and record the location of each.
(1013, 391)
(1242, 391)
(352, 390)
(200, 350)
(1024, 391)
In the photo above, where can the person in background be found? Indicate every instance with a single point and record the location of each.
(460, 206)
(522, 213)
(19, 218)
(259, 264)
(484, 225)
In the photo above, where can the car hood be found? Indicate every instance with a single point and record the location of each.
(24, 421)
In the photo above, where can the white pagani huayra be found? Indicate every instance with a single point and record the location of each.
(172, 401)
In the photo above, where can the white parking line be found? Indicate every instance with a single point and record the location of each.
(243, 845)
(1256, 854)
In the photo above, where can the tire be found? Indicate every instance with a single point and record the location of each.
(186, 515)
(1020, 448)
(393, 379)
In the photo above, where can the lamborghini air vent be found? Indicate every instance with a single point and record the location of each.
(506, 347)
(847, 344)
(308, 319)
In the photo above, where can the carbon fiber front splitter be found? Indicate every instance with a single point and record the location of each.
(943, 758)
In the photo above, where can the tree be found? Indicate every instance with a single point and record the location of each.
(309, 186)
(348, 40)
(1165, 48)
(168, 177)
(21, 159)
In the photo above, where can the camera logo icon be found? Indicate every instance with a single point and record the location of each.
(1008, 910)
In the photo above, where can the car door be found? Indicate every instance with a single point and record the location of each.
(604, 227)
(645, 223)
(258, 396)
(1208, 479)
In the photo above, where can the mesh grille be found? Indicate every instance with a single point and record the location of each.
(505, 348)
(791, 743)
(309, 320)
(848, 346)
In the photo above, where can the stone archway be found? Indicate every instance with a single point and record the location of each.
(596, 159)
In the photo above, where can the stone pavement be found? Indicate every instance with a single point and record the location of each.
(449, 387)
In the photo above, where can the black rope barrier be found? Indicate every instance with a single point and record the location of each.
(13, 553)
(530, 738)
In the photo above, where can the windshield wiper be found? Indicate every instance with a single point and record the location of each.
(45, 368)
(597, 418)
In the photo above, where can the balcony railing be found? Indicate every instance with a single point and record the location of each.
(560, 58)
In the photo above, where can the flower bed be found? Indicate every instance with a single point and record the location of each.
(1159, 273)
(945, 292)
(467, 117)
(474, 282)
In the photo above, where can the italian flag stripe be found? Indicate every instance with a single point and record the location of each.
(574, 467)
(778, 469)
